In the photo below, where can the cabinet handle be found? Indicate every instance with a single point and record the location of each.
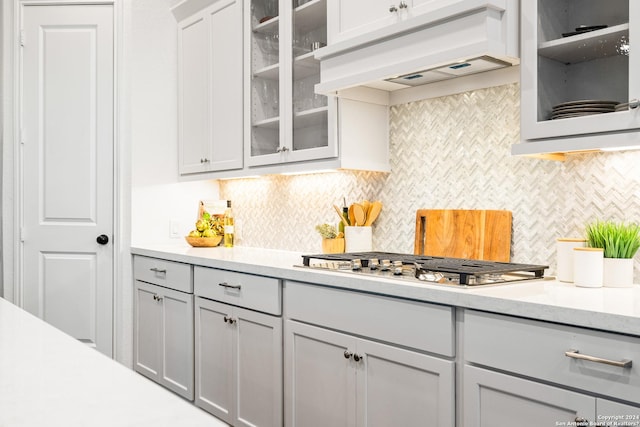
(205, 160)
(229, 319)
(402, 5)
(634, 103)
(282, 149)
(575, 354)
(347, 354)
(357, 357)
(157, 298)
(157, 270)
(393, 8)
(226, 285)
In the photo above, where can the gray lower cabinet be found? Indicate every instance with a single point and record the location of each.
(163, 337)
(531, 373)
(335, 379)
(238, 345)
(339, 372)
(493, 399)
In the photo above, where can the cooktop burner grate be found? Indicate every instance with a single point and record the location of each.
(463, 269)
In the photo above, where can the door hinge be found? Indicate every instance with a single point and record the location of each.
(22, 38)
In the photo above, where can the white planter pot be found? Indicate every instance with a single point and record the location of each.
(588, 267)
(618, 272)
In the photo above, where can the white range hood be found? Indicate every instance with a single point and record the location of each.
(457, 39)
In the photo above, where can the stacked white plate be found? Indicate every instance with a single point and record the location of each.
(622, 107)
(582, 108)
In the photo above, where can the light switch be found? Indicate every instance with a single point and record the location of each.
(174, 228)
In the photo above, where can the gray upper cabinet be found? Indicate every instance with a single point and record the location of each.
(210, 92)
(572, 78)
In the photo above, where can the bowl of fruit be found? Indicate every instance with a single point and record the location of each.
(208, 232)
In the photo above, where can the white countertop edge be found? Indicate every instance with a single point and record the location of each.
(608, 309)
(47, 378)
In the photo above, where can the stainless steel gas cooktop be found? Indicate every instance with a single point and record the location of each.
(431, 269)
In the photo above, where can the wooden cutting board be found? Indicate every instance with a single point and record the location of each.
(459, 233)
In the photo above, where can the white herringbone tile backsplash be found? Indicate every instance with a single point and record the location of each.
(449, 152)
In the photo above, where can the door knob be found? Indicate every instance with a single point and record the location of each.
(102, 239)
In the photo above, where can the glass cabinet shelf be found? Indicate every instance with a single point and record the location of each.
(271, 72)
(268, 27)
(586, 47)
(270, 123)
(313, 117)
(309, 14)
(306, 65)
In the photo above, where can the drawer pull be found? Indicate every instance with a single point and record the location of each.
(347, 354)
(226, 285)
(157, 270)
(575, 354)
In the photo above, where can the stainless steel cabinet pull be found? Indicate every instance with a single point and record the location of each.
(634, 103)
(157, 270)
(347, 355)
(205, 160)
(357, 357)
(226, 285)
(226, 319)
(402, 5)
(157, 298)
(393, 8)
(282, 149)
(575, 354)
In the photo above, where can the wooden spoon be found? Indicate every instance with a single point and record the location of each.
(352, 217)
(376, 207)
(366, 205)
(358, 213)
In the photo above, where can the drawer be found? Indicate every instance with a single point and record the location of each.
(244, 290)
(414, 324)
(537, 349)
(170, 274)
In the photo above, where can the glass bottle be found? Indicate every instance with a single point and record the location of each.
(228, 226)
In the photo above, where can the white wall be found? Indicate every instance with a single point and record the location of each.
(157, 195)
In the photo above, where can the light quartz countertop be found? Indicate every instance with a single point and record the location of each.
(47, 378)
(608, 309)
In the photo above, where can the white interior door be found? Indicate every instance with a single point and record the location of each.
(67, 86)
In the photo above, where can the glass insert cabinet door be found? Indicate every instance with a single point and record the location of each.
(289, 121)
(265, 76)
(579, 68)
(310, 110)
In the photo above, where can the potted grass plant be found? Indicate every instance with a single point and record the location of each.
(620, 243)
(332, 240)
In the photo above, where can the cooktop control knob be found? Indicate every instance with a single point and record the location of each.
(373, 264)
(385, 265)
(397, 268)
(356, 264)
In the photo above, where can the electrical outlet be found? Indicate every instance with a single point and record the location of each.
(174, 228)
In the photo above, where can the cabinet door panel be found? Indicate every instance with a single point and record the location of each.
(258, 369)
(321, 381)
(214, 363)
(193, 99)
(492, 399)
(611, 413)
(177, 348)
(350, 18)
(146, 333)
(225, 34)
(404, 388)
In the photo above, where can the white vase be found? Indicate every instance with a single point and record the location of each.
(588, 267)
(618, 273)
